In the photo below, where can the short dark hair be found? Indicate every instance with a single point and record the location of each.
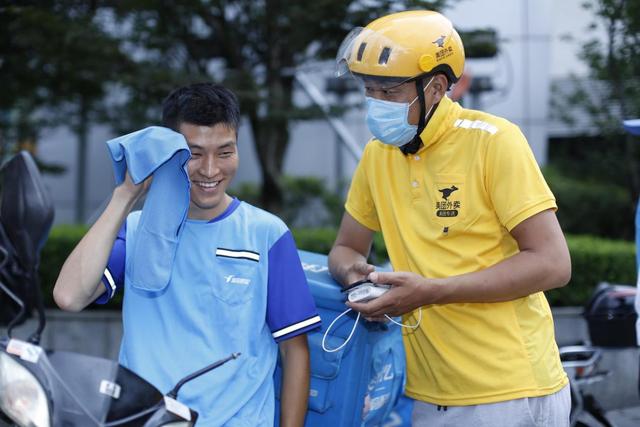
(203, 104)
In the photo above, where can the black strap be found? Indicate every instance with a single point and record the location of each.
(414, 145)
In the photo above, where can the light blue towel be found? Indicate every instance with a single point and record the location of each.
(164, 153)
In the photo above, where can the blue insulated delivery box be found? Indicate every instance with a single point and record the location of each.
(359, 384)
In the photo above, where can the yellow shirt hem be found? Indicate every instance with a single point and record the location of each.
(493, 398)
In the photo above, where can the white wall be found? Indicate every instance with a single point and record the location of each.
(521, 71)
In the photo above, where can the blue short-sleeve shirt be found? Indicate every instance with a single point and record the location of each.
(237, 285)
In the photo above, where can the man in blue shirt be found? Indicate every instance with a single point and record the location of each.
(236, 282)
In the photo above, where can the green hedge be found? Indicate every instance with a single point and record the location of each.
(321, 239)
(601, 208)
(593, 260)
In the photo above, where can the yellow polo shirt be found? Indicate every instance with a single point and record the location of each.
(448, 210)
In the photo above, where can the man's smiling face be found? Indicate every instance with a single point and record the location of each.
(213, 164)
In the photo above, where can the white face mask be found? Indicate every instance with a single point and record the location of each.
(388, 120)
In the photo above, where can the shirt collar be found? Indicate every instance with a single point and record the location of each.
(228, 211)
(434, 129)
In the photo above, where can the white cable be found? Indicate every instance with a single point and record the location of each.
(408, 326)
(355, 324)
(348, 338)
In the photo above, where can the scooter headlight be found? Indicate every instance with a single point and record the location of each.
(21, 396)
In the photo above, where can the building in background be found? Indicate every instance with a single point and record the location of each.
(534, 50)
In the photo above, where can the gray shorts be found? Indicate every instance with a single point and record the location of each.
(545, 411)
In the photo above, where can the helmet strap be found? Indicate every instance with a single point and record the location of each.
(413, 146)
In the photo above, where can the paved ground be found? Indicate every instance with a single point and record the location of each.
(627, 417)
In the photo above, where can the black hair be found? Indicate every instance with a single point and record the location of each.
(203, 104)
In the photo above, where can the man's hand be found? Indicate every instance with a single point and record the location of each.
(348, 256)
(358, 271)
(130, 191)
(408, 292)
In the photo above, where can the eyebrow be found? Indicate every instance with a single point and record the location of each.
(225, 145)
(228, 144)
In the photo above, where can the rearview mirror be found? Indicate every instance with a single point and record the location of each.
(26, 210)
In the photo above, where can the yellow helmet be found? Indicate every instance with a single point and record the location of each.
(402, 46)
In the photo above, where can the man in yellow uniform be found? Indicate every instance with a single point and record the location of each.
(470, 227)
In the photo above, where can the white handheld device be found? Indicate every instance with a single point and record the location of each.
(365, 290)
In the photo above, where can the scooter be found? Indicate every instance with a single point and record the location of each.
(48, 388)
(611, 319)
(580, 362)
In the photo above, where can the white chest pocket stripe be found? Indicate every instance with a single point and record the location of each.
(238, 254)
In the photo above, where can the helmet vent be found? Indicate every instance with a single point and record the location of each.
(384, 56)
(361, 51)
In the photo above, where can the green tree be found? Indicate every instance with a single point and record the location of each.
(251, 45)
(600, 179)
(611, 93)
(56, 62)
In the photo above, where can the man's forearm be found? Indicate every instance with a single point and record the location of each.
(78, 283)
(295, 381)
(523, 274)
(543, 263)
(340, 259)
(348, 256)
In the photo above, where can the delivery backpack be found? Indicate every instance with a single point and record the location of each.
(360, 384)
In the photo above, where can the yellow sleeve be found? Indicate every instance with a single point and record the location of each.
(360, 203)
(514, 180)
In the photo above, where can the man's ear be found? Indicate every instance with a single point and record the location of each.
(439, 86)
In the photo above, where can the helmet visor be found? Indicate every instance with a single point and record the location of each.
(345, 51)
(366, 46)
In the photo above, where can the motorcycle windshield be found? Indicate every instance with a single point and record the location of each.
(91, 391)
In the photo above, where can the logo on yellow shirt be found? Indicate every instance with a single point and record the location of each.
(446, 192)
(448, 208)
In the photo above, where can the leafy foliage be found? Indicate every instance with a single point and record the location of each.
(307, 202)
(53, 53)
(609, 94)
(254, 47)
(114, 61)
(587, 205)
(593, 259)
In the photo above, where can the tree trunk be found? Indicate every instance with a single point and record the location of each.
(81, 158)
(271, 135)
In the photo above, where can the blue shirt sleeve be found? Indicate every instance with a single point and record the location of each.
(291, 310)
(113, 277)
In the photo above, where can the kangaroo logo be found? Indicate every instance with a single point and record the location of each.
(446, 192)
(439, 41)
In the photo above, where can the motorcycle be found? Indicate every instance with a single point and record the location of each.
(49, 388)
(580, 362)
(611, 318)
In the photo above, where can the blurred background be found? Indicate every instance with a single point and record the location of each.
(74, 74)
